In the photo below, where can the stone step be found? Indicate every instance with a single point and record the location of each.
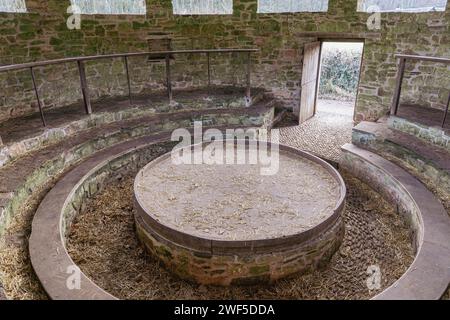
(21, 177)
(435, 135)
(23, 135)
(429, 275)
(431, 164)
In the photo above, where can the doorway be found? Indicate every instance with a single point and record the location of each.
(330, 78)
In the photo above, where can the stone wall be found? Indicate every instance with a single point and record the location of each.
(427, 84)
(42, 34)
(243, 268)
(433, 135)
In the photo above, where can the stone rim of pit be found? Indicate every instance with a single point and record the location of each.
(226, 246)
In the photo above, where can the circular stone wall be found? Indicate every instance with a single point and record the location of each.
(233, 223)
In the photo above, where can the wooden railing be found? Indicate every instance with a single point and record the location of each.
(403, 58)
(82, 72)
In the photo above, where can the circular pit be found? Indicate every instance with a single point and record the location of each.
(224, 223)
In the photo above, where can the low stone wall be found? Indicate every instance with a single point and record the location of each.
(11, 199)
(223, 99)
(429, 275)
(213, 261)
(243, 268)
(434, 175)
(426, 279)
(433, 135)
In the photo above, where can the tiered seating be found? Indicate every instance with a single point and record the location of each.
(425, 155)
(400, 161)
(32, 158)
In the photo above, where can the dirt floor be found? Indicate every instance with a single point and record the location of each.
(325, 133)
(103, 243)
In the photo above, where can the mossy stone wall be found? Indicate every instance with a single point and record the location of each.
(42, 34)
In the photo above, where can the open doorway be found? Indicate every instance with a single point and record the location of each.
(340, 67)
(330, 78)
(324, 121)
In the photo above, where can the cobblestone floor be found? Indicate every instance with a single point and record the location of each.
(325, 133)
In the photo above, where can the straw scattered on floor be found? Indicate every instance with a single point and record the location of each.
(103, 243)
(16, 273)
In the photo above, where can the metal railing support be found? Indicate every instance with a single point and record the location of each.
(209, 70)
(446, 111)
(401, 73)
(84, 87)
(125, 62)
(168, 79)
(41, 111)
(82, 71)
(249, 70)
(398, 86)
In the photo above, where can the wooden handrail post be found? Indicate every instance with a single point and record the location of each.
(168, 78)
(84, 87)
(398, 87)
(446, 111)
(125, 62)
(41, 111)
(249, 70)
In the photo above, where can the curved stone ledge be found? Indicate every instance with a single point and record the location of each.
(427, 278)
(48, 254)
(426, 161)
(223, 262)
(44, 165)
(68, 121)
(51, 260)
(242, 268)
(429, 275)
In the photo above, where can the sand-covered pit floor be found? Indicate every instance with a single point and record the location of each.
(103, 243)
(235, 202)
